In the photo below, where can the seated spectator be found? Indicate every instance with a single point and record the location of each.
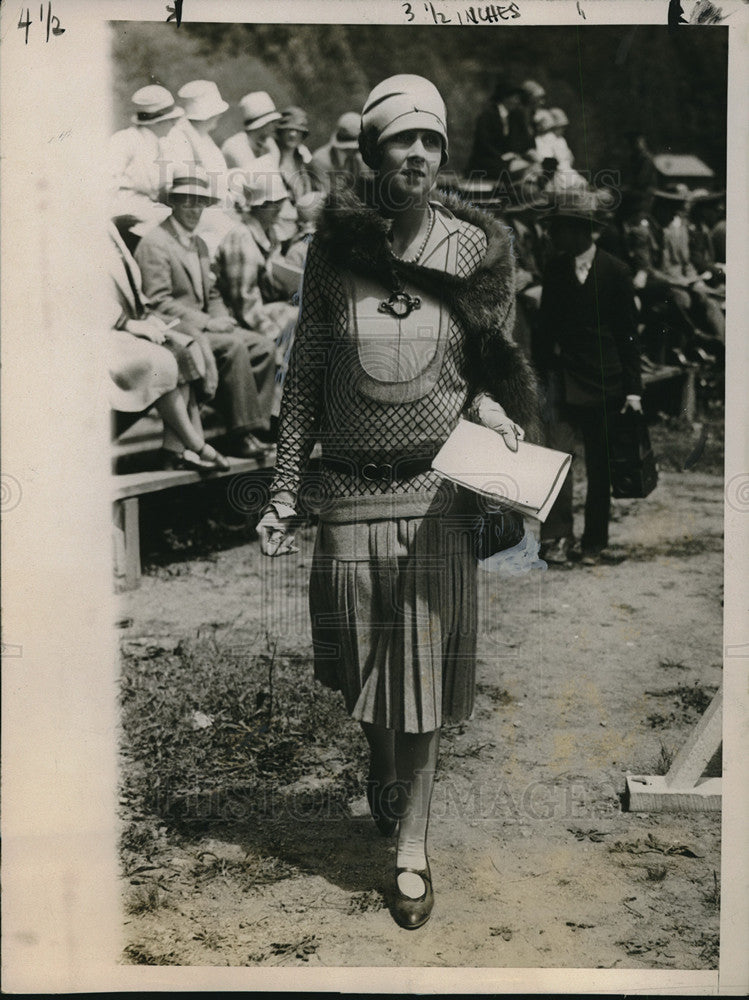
(339, 163)
(136, 158)
(176, 273)
(297, 169)
(150, 366)
(562, 152)
(704, 212)
(245, 259)
(670, 209)
(501, 129)
(190, 143)
(255, 148)
(544, 143)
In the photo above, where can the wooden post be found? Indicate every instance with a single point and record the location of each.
(689, 396)
(683, 788)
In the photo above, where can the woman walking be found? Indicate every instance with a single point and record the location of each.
(406, 308)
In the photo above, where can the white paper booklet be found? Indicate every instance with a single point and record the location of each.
(528, 479)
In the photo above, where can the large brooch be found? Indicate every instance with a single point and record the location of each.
(400, 305)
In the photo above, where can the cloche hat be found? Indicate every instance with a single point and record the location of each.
(398, 104)
(153, 104)
(346, 135)
(264, 186)
(201, 100)
(258, 109)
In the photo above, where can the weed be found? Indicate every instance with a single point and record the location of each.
(136, 954)
(712, 895)
(656, 873)
(145, 900)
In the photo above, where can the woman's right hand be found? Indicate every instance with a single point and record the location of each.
(275, 534)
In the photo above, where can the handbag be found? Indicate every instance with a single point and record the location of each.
(495, 527)
(632, 466)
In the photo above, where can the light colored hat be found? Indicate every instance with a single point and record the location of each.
(191, 180)
(258, 109)
(560, 118)
(153, 104)
(581, 204)
(201, 100)
(400, 103)
(264, 186)
(346, 135)
(543, 121)
(530, 88)
(295, 118)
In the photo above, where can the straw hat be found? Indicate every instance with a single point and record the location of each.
(532, 89)
(191, 180)
(258, 109)
(201, 100)
(153, 104)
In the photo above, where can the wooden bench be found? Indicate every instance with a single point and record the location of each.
(683, 380)
(128, 488)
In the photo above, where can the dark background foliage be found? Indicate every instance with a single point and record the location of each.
(669, 84)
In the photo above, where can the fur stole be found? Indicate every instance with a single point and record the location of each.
(354, 237)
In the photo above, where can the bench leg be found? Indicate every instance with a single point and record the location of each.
(127, 542)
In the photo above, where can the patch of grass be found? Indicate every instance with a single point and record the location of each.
(497, 695)
(690, 702)
(656, 873)
(667, 664)
(145, 900)
(709, 945)
(711, 896)
(135, 954)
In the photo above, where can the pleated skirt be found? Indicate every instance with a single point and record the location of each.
(393, 606)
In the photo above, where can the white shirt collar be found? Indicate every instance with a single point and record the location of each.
(186, 238)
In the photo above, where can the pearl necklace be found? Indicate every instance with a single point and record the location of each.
(417, 256)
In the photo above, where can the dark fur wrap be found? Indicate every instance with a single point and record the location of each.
(355, 238)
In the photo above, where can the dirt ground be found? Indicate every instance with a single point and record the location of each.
(584, 674)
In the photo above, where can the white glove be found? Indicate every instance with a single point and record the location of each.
(491, 415)
(274, 531)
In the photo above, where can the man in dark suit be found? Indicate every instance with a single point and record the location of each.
(174, 263)
(501, 129)
(587, 353)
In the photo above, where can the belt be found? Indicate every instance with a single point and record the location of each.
(374, 472)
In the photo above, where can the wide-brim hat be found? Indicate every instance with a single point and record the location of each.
(531, 88)
(576, 205)
(153, 104)
(678, 192)
(193, 181)
(258, 109)
(346, 135)
(295, 118)
(201, 100)
(399, 104)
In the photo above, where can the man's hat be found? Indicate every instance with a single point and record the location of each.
(530, 88)
(153, 104)
(258, 110)
(578, 204)
(191, 180)
(201, 100)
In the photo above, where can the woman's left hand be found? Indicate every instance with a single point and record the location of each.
(491, 415)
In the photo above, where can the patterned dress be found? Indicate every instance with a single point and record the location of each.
(393, 585)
